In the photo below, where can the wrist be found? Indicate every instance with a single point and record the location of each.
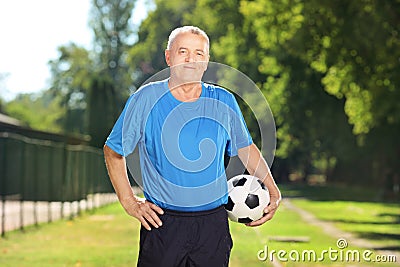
(127, 201)
(275, 199)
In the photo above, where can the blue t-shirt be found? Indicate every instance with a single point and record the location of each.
(181, 144)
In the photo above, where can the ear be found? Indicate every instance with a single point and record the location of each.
(205, 65)
(167, 57)
(208, 60)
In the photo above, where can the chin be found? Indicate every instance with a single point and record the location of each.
(189, 76)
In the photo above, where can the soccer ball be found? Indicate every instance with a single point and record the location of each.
(247, 198)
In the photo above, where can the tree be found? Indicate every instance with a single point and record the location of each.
(47, 112)
(2, 79)
(146, 57)
(362, 67)
(94, 83)
(112, 31)
(347, 49)
(70, 82)
(100, 112)
(232, 41)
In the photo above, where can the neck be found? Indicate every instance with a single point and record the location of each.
(185, 92)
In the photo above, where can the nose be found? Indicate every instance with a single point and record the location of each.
(189, 57)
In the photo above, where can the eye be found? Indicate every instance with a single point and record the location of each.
(182, 51)
(199, 53)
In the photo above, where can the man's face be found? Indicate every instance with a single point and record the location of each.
(188, 57)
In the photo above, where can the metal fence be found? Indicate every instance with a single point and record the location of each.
(39, 171)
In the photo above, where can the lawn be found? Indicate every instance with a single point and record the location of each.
(285, 225)
(375, 221)
(108, 237)
(103, 238)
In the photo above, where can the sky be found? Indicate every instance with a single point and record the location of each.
(31, 32)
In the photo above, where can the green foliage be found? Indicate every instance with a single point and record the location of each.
(70, 83)
(1, 105)
(101, 114)
(357, 45)
(47, 113)
(75, 76)
(110, 21)
(146, 57)
(345, 49)
(3, 77)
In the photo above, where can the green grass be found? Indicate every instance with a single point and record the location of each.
(109, 237)
(352, 209)
(376, 222)
(286, 223)
(331, 192)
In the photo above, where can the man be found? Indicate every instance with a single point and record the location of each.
(183, 128)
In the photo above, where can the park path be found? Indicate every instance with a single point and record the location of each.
(16, 214)
(330, 229)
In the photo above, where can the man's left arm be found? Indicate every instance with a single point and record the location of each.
(257, 166)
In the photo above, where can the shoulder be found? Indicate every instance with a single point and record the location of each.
(217, 92)
(152, 88)
(149, 93)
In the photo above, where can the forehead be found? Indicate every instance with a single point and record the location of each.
(190, 40)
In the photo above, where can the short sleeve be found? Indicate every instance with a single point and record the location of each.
(125, 134)
(239, 135)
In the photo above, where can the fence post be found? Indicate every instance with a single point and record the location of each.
(63, 178)
(3, 193)
(51, 183)
(35, 185)
(22, 186)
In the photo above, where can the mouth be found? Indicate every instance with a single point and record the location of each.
(189, 67)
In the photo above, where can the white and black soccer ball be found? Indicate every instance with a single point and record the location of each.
(247, 198)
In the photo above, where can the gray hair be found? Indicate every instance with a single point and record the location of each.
(187, 29)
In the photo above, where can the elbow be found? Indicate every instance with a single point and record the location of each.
(109, 153)
(106, 150)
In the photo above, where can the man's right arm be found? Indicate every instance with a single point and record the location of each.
(139, 208)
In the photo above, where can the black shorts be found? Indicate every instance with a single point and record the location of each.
(187, 239)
